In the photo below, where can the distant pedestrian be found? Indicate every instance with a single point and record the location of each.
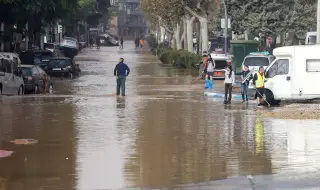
(137, 41)
(98, 42)
(228, 84)
(210, 68)
(121, 42)
(91, 42)
(121, 71)
(141, 43)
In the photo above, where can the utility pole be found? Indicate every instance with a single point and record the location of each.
(318, 22)
(225, 28)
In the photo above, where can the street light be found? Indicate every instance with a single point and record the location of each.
(225, 27)
(318, 23)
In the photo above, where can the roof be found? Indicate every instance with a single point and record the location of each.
(26, 66)
(305, 49)
(55, 58)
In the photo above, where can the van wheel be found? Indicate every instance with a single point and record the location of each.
(20, 91)
(270, 98)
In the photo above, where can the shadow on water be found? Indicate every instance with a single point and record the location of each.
(154, 137)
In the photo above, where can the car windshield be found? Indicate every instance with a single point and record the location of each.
(256, 61)
(26, 71)
(61, 63)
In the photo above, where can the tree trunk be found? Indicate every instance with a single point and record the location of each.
(204, 33)
(189, 32)
(185, 32)
(177, 37)
(162, 34)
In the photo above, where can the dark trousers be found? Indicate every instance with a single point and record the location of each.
(227, 92)
(121, 83)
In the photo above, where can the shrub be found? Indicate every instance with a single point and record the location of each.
(180, 58)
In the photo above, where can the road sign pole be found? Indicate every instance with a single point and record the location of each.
(225, 28)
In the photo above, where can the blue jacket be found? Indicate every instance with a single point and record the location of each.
(121, 69)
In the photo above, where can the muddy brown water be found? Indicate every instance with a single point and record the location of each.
(154, 138)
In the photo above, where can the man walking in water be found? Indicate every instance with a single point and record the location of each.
(121, 71)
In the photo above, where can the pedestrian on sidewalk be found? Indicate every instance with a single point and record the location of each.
(121, 71)
(258, 82)
(121, 42)
(228, 84)
(245, 78)
(137, 41)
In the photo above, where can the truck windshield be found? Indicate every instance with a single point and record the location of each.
(256, 61)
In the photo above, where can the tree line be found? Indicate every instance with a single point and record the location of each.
(260, 18)
(39, 14)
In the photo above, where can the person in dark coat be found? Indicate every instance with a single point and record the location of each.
(121, 71)
(98, 42)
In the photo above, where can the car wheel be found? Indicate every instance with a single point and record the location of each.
(20, 91)
(270, 98)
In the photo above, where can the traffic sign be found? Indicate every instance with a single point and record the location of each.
(59, 29)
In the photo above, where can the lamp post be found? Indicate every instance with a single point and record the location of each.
(318, 22)
(225, 27)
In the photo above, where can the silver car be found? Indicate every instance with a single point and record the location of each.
(11, 82)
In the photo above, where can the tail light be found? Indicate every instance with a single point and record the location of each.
(29, 78)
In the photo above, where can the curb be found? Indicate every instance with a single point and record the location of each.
(221, 95)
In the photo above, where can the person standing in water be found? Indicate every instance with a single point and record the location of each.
(245, 83)
(258, 82)
(121, 71)
(210, 67)
(121, 42)
(228, 84)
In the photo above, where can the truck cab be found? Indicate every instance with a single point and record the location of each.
(294, 74)
(255, 60)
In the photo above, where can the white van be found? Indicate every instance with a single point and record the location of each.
(254, 60)
(11, 82)
(294, 74)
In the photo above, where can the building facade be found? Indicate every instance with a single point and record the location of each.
(130, 20)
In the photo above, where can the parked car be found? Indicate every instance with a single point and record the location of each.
(51, 46)
(69, 47)
(11, 82)
(35, 79)
(221, 61)
(36, 57)
(62, 67)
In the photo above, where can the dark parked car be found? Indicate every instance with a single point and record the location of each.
(62, 67)
(36, 57)
(35, 79)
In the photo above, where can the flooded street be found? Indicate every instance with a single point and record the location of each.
(162, 135)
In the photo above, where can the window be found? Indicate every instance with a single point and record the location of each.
(34, 71)
(5, 66)
(272, 71)
(58, 63)
(41, 71)
(283, 67)
(280, 67)
(256, 61)
(313, 65)
(26, 71)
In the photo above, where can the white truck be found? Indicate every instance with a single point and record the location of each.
(294, 74)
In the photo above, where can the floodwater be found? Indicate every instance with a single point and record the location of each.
(162, 135)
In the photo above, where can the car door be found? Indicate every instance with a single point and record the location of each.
(36, 76)
(42, 75)
(8, 83)
(3, 76)
(279, 79)
(17, 79)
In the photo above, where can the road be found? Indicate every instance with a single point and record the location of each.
(162, 135)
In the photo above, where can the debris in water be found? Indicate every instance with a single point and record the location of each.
(25, 141)
(5, 153)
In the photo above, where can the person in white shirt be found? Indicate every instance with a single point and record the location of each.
(228, 84)
(209, 68)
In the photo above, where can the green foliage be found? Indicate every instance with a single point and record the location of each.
(180, 58)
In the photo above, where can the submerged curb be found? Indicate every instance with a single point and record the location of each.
(221, 95)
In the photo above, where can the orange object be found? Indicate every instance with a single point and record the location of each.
(204, 61)
(141, 42)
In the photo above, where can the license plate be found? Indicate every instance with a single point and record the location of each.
(56, 69)
(218, 73)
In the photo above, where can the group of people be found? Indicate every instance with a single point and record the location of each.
(229, 80)
(139, 42)
(91, 42)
